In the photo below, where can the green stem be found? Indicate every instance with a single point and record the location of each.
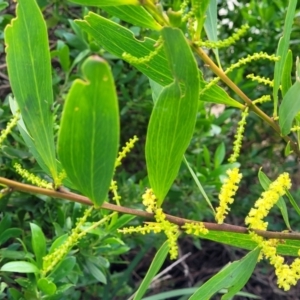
(64, 194)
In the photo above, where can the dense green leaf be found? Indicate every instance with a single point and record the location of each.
(63, 268)
(5, 222)
(38, 242)
(9, 233)
(286, 76)
(289, 108)
(46, 286)
(265, 182)
(282, 50)
(219, 155)
(174, 115)
(89, 133)
(105, 2)
(19, 267)
(156, 264)
(232, 277)
(29, 68)
(96, 272)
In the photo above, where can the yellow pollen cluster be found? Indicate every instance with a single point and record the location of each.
(227, 193)
(129, 145)
(195, 228)
(11, 124)
(266, 201)
(287, 276)
(114, 189)
(162, 224)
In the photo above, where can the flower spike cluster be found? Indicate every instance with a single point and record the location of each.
(227, 193)
(239, 137)
(11, 124)
(32, 178)
(266, 201)
(126, 149)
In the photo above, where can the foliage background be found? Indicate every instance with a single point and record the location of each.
(207, 154)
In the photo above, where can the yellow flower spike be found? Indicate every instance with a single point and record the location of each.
(32, 178)
(195, 228)
(149, 200)
(10, 125)
(227, 193)
(263, 80)
(114, 188)
(237, 144)
(266, 201)
(129, 145)
(262, 99)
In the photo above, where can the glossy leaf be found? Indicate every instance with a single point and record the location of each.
(265, 182)
(46, 286)
(117, 39)
(38, 243)
(133, 14)
(105, 2)
(244, 241)
(210, 25)
(282, 50)
(63, 268)
(19, 267)
(96, 272)
(29, 68)
(286, 77)
(232, 277)
(289, 108)
(173, 117)
(89, 133)
(155, 266)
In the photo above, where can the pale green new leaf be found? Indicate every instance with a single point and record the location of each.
(173, 118)
(38, 243)
(29, 69)
(19, 267)
(282, 50)
(232, 277)
(265, 182)
(89, 133)
(289, 108)
(152, 271)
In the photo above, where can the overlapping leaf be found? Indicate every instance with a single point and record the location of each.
(89, 133)
(29, 68)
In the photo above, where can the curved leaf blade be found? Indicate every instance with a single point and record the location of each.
(29, 68)
(289, 108)
(89, 134)
(105, 2)
(19, 267)
(173, 118)
(232, 277)
(152, 271)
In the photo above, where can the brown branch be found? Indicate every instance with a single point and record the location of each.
(64, 194)
(221, 74)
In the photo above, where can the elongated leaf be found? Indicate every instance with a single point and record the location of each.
(29, 68)
(152, 271)
(232, 277)
(244, 241)
(136, 15)
(282, 50)
(286, 77)
(19, 267)
(46, 286)
(38, 242)
(117, 39)
(174, 115)
(210, 26)
(63, 269)
(289, 108)
(89, 134)
(105, 2)
(265, 182)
